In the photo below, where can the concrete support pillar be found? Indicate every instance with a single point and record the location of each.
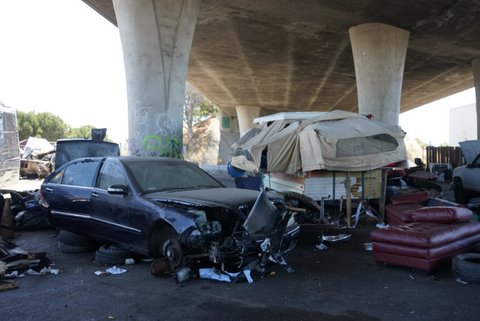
(379, 53)
(476, 79)
(246, 115)
(156, 37)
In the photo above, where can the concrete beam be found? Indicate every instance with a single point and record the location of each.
(246, 115)
(379, 52)
(156, 38)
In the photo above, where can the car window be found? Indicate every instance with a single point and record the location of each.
(111, 174)
(81, 173)
(165, 176)
(57, 178)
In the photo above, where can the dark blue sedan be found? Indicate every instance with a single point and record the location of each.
(169, 208)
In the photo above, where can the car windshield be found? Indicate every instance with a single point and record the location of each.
(156, 176)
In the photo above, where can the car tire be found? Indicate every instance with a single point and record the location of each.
(72, 243)
(459, 192)
(172, 252)
(111, 254)
(466, 267)
(75, 249)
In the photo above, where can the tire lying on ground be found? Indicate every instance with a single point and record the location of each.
(111, 254)
(466, 267)
(72, 243)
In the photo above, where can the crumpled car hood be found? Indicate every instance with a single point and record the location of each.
(470, 149)
(227, 197)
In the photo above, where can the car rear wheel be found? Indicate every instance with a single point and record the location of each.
(459, 192)
(73, 243)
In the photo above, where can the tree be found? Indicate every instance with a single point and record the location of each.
(81, 132)
(44, 125)
(196, 108)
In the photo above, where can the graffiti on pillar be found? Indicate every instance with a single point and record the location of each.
(163, 140)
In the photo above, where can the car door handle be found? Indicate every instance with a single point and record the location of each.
(95, 194)
(48, 189)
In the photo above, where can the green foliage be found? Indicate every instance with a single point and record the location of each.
(48, 126)
(196, 108)
(81, 132)
(44, 125)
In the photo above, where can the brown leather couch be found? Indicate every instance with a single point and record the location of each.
(431, 239)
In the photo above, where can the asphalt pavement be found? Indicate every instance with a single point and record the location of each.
(339, 283)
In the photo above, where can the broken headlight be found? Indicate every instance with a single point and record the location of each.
(205, 226)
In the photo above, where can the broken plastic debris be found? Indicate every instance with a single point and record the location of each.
(44, 271)
(321, 247)
(211, 274)
(336, 238)
(367, 246)
(115, 270)
(248, 275)
(461, 281)
(101, 273)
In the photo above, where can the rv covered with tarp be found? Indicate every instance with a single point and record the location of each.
(332, 141)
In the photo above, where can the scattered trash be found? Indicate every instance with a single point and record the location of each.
(382, 225)
(411, 277)
(101, 273)
(43, 271)
(367, 246)
(336, 238)
(129, 261)
(212, 274)
(321, 247)
(460, 281)
(248, 276)
(8, 285)
(183, 274)
(115, 270)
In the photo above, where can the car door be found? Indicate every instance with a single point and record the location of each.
(68, 194)
(111, 211)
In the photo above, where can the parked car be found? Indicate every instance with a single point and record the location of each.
(466, 178)
(165, 207)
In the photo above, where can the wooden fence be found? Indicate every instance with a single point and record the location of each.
(447, 154)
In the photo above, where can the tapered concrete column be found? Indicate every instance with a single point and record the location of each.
(156, 37)
(379, 53)
(246, 115)
(476, 79)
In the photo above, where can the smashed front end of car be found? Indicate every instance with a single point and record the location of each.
(246, 240)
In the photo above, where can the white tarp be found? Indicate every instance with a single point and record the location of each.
(337, 140)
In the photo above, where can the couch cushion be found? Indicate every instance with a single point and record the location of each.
(425, 234)
(413, 198)
(400, 214)
(442, 214)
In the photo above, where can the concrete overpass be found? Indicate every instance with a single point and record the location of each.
(270, 56)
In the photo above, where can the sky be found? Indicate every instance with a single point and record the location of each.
(62, 57)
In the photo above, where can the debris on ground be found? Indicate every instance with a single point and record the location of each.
(16, 263)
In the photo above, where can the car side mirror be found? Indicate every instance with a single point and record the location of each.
(118, 190)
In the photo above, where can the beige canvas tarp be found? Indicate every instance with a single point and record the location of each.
(337, 140)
